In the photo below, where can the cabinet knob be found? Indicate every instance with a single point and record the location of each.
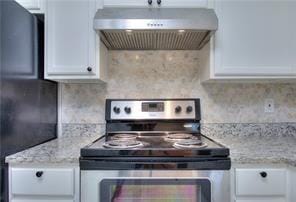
(158, 2)
(89, 69)
(149, 2)
(39, 174)
(263, 174)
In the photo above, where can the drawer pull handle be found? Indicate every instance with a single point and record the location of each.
(263, 174)
(39, 174)
(89, 69)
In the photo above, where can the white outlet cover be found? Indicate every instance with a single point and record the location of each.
(269, 105)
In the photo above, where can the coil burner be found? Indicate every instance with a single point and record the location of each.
(123, 136)
(175, 137)
(190, 144)
(123, 144)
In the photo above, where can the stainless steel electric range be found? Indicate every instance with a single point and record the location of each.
(153, 151)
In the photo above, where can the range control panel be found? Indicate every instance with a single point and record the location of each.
(153, 109)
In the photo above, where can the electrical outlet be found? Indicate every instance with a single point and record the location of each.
(269, 106)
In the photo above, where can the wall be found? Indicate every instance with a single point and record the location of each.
(175, 74)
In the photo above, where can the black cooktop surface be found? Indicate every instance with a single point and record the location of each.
(155, 145)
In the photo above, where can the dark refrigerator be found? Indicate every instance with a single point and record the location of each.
(28, 102)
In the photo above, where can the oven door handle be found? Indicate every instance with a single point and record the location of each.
(98, 164)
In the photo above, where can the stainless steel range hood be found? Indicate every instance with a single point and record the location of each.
(155, 28)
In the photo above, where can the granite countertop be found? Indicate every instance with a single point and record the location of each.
(60, 150)
(261, 149)
(243, 149)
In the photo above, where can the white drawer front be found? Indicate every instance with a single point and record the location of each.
(261, 200)
(249, 182)
(41, 200)
(59, 182)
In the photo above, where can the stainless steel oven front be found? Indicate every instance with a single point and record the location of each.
(155, 186)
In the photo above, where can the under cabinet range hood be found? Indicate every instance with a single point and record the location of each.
(155, 28)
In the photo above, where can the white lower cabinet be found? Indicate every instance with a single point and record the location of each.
(260, 184)
(262, 200)
(44, 184)
(292, 184)
(38, 200)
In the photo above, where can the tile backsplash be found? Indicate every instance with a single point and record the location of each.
(175, 74)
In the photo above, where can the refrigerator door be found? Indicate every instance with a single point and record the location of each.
(28, 103)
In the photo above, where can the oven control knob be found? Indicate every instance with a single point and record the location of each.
(178, 109)
(189, 109)
(116, 110)
(127, 110)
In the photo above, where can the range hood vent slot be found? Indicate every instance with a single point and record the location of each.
(154, 40)
(155, 29)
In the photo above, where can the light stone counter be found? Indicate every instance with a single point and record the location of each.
(243, 149)
(261, 149)
(61, 150)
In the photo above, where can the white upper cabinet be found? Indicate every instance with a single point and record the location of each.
(255, 39)
(34, 6)
(156, 3)
(73, 48)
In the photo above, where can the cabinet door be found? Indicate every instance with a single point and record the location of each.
(261, 200)
(255, 38)
(70, 38)
(249, 182)
(34, 6)
(50, 182)
(41, 200)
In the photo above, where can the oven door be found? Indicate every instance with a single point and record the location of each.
(154, 190)
(154, 186)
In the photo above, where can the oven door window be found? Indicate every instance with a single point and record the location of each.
(155, 190)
